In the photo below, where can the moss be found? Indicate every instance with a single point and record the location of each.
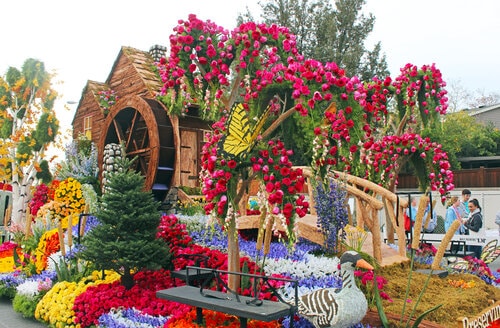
(456, 301)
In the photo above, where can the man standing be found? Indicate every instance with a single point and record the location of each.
(463, 209)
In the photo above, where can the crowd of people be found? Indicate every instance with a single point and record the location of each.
(466, 210)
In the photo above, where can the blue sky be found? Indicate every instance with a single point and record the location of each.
(81, 39)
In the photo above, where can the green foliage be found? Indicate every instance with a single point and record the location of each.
(26, 305)
(462, 136)
(46, 130)
(72, 269)
(190, 208)
(7, 292)
(125, 241)
(44, 174)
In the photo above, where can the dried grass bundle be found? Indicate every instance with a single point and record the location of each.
(417, 227)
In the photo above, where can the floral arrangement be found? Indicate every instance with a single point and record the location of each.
(97, 300)
(273, 167)
(460, 283)
(215, 319)
(332, 213)
(106, 99)
(48, 244)
(55, 308)
(354, 237)
(94, 301)
(7, 248)
(130, 318)
(69, 193)
(17, 232)
(174, 233)
(29, 294)
(366, 282)
(40, 197)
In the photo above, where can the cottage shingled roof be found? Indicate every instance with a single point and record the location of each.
(144, 65)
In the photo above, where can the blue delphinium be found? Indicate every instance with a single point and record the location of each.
(124, 318)
(332, 213)
(9, 282)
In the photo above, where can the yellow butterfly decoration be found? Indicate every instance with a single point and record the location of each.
(241, 137)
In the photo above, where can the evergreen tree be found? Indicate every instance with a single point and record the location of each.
(125, 241)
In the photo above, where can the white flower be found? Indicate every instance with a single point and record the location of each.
(29, 288)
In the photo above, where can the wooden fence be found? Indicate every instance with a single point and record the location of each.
(470, 178)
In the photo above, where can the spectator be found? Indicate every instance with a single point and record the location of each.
(411, 211)
(463, 209)
(432, 220)
(452, 214)
(474, 223)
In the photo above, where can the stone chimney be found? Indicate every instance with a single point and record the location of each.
(157, 52)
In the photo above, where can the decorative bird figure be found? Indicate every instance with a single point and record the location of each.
(337, 307)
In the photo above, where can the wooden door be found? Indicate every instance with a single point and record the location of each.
(189, 158)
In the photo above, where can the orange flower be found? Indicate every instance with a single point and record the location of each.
(217, 319)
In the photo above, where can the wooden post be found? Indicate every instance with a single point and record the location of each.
(176, 179)
(61, 238)
(70, 230)
(233, 254)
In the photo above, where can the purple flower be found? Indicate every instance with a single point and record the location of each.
(332, 213)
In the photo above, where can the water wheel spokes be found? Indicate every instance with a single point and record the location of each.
(144, 130)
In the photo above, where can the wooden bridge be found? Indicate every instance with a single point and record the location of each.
(370, 199)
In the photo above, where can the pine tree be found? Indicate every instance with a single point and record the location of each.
(125, 241)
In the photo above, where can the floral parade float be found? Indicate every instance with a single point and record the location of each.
(202, 58)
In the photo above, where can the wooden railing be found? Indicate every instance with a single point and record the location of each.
(470, 178)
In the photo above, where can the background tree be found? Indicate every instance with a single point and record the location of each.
(28, 125)
(462, 136)
(481, 98)
(330, 34)
(125, 240)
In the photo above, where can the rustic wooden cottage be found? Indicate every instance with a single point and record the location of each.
(124, 110)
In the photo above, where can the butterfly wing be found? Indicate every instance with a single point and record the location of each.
(241, 137)
(490, 252)
(458, 264)
(260, 124)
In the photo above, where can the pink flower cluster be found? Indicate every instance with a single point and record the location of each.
(381, 159)
(205, 57)
(419, 87)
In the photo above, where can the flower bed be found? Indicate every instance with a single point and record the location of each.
(93, 301)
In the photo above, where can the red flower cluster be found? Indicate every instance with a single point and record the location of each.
(40, 197)
(367, 279)
(282, 182)
(100, 299)
(173, 233)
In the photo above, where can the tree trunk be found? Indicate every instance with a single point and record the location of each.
(20, 199)
(127, 280)
(233, 254)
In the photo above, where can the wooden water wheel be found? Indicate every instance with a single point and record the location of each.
(143, 127)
